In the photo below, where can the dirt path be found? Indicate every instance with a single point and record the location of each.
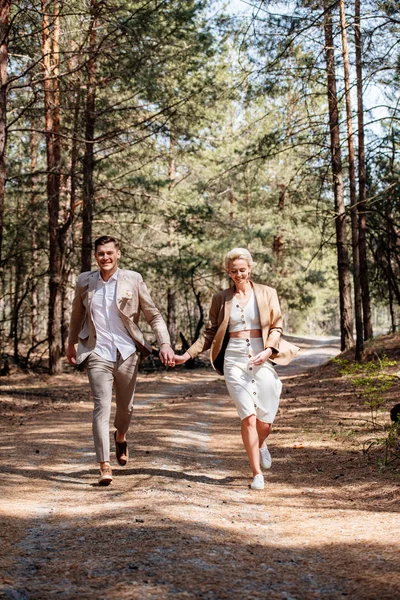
(180, 521)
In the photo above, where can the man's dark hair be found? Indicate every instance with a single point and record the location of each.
(106, 239)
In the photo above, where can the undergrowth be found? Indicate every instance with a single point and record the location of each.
(371, 382)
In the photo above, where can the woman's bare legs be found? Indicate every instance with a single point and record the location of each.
(263, 431)
(250, 439)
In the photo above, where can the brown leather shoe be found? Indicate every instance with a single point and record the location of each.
(121, 451)
(105, 475)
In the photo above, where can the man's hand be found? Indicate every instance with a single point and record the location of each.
(167, 356)
(71, 354)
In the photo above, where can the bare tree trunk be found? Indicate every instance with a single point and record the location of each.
(171, 294)
(34, 246)
(391, 309)
(171, 315)
(362, 188)
(232, 205)
(353, 198)
(50, 50)
(346, 319)
(4, 20)
(88, 159)
(19, 296)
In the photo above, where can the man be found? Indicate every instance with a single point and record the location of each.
(104, 323)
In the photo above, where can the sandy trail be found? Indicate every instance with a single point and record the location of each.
(180, 520)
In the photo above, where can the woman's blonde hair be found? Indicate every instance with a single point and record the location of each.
(238, 253)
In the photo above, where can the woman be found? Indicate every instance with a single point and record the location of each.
(244, 333)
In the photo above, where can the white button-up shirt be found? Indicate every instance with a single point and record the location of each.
(111, 334)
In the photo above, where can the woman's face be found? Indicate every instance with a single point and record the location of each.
(239, 270)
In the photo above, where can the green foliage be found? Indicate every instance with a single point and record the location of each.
(209, 134)
(370, 380)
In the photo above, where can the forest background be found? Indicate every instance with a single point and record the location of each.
(185, 128)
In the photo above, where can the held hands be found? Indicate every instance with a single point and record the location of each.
(181, 359)
(169, 359)
(260, 358)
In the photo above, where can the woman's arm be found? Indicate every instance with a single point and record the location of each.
(275, 323)
(204, 342)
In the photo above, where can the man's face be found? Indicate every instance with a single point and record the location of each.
(107, 257)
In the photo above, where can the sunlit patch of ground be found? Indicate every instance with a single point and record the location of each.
(180, 520)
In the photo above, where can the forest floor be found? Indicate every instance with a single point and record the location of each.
(179, 521)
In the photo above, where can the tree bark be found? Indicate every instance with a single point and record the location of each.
(34, 317)
(50, 50)
(353, 198)
(346, 319)
(88, 159)
(362, 178)
(171, 315)
(391, 309)
(4, 21)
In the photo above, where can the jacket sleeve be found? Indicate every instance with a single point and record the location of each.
(205, 340)
(275, 320)
(77, 314)
(152, 314)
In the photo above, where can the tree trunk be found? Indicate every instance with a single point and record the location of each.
(50, 50)
(34, 319)
(353, 198)
(346, 319)
(362, 178)
(88, 159)
(4, 20)
(197, 295)
(171, 315)
(232, 205)
(171, 294)
(391, 309)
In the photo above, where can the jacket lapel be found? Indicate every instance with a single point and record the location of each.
(228, 306)
(93, 278)
(120, 286)
(262, 305)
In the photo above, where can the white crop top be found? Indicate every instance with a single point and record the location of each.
(244, 318)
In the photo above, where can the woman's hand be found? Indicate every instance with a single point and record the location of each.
(260, 358)
(181, 359)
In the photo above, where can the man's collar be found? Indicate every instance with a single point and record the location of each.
(113, 276)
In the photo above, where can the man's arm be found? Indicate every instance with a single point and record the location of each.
(157, 323)
(71, 354)
(75, 324)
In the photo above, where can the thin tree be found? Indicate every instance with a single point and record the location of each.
(362, 178)
(346, 318)
(4, 24)
(353, 194)
(88, 159)
(51, 57)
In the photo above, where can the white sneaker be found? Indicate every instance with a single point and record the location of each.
(258, 482)
(265, 458)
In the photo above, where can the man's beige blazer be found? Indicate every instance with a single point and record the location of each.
(216, 335)
(132, 296)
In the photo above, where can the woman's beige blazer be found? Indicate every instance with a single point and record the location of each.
(216, 335)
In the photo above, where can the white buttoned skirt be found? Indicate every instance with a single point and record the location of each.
(255, 390)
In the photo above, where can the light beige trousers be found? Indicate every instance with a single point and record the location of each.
(103, 376)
